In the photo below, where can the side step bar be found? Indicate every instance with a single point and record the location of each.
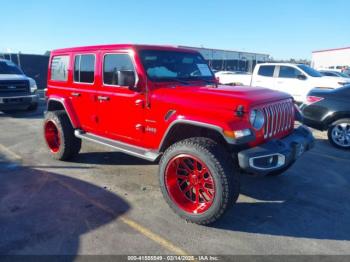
(119, 146)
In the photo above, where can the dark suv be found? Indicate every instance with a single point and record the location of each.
(329, 110)
(17, 91)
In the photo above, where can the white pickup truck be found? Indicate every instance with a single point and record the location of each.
(295, 79)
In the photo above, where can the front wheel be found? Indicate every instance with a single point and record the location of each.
(198, 180)
(339, 133)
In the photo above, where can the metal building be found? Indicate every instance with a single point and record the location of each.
(231, 60)
(333, 59)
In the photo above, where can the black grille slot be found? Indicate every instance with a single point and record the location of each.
(279, 117)
(14, 87)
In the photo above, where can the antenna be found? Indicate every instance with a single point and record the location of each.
(19, 59)
(9, 52)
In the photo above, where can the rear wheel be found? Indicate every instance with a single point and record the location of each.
(198, 180)
(339, 133)
(59, 136)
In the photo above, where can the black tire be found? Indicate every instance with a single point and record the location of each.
(330, 130)
(69, 145)
(223, 171)
(33, 107)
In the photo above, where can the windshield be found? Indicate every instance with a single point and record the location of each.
(9, 68)
(335, 74)
(311, 72)
(342, 74)
(174, 66)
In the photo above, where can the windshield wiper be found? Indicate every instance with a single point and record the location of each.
(174, 79)
(187, 82)
(206, 81)
(182, 81)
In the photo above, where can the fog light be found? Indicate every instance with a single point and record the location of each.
(267, 162)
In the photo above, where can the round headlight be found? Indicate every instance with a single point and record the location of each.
(257, 119)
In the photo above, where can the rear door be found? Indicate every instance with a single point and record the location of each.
(120, 109)
(83, 90)
(264, 77)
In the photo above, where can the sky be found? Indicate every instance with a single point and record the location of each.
(283, 29)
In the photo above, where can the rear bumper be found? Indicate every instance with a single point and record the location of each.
(18, 102)
(276, 154)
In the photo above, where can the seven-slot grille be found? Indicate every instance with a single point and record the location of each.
(14, 87)
(279, 117)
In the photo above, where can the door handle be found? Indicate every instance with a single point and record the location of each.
(140, 102)
(75, 94)
(103, 98)
(140, 128)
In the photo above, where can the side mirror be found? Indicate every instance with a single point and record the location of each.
(126, 78)
(301, 77)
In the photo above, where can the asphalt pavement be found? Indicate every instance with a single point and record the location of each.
(106, 202)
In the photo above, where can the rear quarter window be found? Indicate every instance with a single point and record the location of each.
(266, 71)
(59, 68)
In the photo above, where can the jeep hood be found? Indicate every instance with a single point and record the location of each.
(225, 97)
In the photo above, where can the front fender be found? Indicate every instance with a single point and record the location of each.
(219, 127)
(332, 117)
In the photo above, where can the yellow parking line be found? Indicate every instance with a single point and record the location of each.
(9, 153)
(156, 238)
(131, 223)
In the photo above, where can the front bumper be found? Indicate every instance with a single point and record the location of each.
(18, 102)
(276, 154)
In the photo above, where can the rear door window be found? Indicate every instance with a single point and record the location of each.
(59, 68)
(267, 70)
(84, 69)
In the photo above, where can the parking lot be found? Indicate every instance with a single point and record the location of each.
(106, 202)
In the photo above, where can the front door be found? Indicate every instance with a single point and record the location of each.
(120, 109)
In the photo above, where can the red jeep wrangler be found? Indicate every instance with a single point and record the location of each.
(164, 103)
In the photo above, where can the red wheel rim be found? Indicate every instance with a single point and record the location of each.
(52, 136)
(190, 183)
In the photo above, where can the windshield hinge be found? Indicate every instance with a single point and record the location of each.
(240, 111)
